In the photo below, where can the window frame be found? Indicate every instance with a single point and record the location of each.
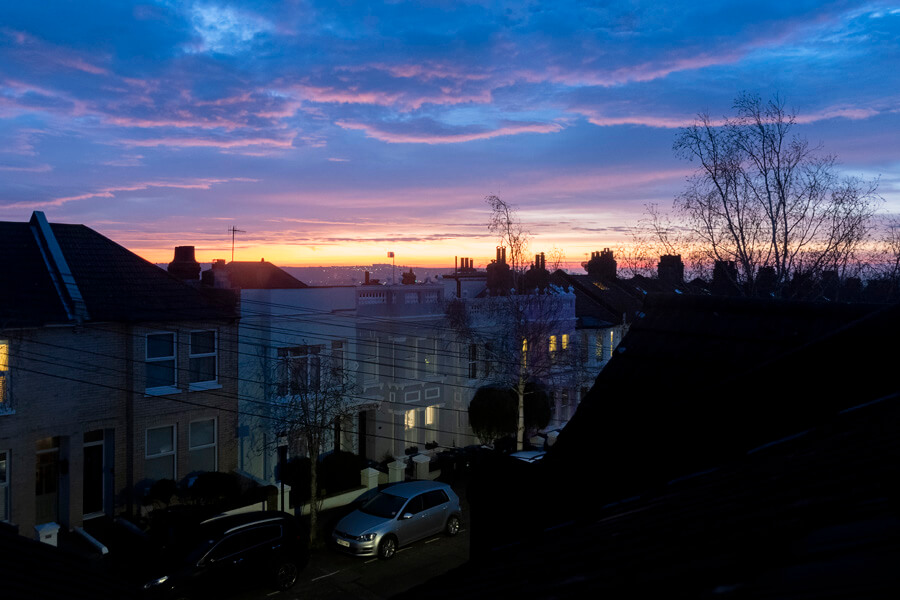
(214, 445)
(173, 453)
(205, 384)
(5, 394)
(160, 390)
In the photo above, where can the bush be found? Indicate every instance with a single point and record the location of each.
(339, 471)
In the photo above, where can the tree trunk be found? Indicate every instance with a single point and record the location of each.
(313, 496)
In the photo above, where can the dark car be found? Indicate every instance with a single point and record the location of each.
(231, 551)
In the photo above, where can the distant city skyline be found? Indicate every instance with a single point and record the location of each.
(333, 133)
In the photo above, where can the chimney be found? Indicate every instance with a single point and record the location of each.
(184, 265)
(217, 276)
(724, 281)
(602, 265)
(670, 269)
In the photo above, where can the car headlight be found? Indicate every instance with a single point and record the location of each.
(156, 582)
(367, 537)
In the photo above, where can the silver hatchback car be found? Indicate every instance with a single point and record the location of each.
(396, 516)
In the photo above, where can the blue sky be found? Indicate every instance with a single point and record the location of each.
(332, 132)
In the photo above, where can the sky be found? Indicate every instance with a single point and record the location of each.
(330, 133)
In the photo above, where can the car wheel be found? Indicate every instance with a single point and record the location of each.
(286, 575)
(452, 527)
(388, 547)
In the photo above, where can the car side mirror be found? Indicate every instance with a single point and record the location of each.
(406, 516)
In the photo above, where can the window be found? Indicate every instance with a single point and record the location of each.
(409, 426)
(564, 339)
(202, 446)
(160, 453)
(598, 346)
(429, 359)
(473, 361)
(431, 417)
(202, 364)
(337, 359)
(4, 376)
(160, 373)
(611, 342)
(4, 486)
(553, 343)
(300, 370)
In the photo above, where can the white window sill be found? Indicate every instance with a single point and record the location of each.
(204, 385)
(162, 391)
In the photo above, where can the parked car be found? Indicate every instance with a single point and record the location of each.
(529, 456)
(397, 516)
(231, 551)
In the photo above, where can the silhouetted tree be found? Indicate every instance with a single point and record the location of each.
(762, 197)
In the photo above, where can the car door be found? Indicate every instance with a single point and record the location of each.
(416, 526)
(435, 510)
(240, 556)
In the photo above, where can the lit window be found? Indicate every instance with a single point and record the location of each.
(598, 346)
(202, 455)
(611, 341)
(203, 368)
(431, 416)
(410, 420)
(4, 375)
(160, 453)
(552, 343)
(160, 361)
(565, 341)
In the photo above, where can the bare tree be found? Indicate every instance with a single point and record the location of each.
(762, 197)
(515, 328)
(314, 392)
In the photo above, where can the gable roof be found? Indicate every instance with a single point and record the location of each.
(60, 273)
(247, 275)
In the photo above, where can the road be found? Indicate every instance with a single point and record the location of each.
(332, 575)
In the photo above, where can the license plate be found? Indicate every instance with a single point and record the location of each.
(344, 543)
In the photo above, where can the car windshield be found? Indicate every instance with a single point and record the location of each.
(383, 505)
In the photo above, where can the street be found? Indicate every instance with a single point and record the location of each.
(332, 575)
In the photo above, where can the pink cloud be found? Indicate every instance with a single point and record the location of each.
(35, 169)
(111, 192)
(432, 138)
(210, 143)
(81, 65)
(854, 114)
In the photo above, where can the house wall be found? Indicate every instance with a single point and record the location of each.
(69, 381)
(273, 319)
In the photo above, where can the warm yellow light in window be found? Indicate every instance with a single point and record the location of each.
(565, 341)
(410, 419)
(4, 356)
(552, 343)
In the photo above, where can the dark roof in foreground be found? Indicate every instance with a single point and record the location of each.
(732, 449)
(815, 516)
(90, 278)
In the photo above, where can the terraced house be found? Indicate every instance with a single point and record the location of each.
(113, 374)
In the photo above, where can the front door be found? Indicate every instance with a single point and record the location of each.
(46, 492)
(93, 480)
